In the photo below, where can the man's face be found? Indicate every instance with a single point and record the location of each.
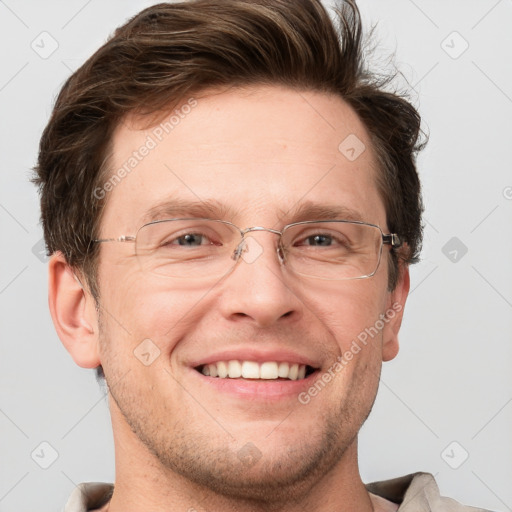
(262, 153)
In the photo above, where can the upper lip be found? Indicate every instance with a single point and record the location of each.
(257, 355)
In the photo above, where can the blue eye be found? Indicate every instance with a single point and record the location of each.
(319, 240)
(190, 239)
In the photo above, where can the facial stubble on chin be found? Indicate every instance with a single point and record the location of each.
(213, 462)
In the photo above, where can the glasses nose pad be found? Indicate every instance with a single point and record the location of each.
(280, 253)
(240, 248)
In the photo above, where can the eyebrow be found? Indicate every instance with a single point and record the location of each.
(309, 210)
(213, 209)
(176, 207)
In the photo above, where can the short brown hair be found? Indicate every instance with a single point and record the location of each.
(171, 51)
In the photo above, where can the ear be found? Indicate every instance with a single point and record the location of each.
(73, 313)
(394, 313)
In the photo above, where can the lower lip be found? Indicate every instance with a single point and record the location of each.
(259, 389)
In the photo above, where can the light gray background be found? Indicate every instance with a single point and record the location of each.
(451, 380)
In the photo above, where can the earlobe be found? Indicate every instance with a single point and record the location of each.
(73, 313)
(394, 313)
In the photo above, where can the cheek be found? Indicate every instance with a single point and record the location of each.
(139, 307)
(349, 310)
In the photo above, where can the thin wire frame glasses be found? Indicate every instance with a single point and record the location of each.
(194, 248)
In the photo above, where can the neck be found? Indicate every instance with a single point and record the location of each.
(142, 483)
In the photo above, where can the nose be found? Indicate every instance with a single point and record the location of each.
(259, 290)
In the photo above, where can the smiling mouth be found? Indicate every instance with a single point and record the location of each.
(268, 370)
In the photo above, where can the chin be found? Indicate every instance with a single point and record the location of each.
(275, 471)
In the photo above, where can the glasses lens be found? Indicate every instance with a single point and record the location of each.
(190, 248)
(332, 250)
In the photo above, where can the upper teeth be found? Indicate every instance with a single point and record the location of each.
(254, 370)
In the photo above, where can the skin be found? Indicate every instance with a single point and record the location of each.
(261, 151)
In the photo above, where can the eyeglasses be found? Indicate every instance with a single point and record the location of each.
(193, 248)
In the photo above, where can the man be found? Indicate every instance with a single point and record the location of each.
(232, 203)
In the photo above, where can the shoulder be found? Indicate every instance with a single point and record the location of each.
(417, 492)
(89, 496)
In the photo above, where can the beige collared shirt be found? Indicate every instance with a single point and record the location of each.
(417, 492)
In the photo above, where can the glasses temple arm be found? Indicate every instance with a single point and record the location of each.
(392, 239)
(120, 239)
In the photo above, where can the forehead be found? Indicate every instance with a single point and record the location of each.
(252, 155)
